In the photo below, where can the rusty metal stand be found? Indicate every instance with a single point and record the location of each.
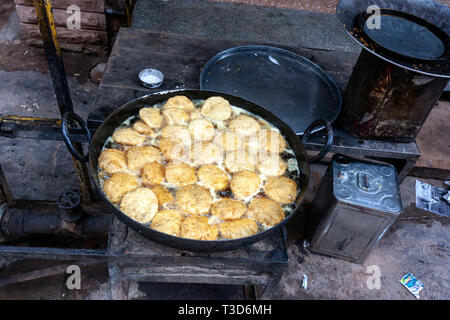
(38, 128)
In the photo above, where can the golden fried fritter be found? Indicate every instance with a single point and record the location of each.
(152, 173)
(228, 140)
(119, 184)
(216, 108)
(205, 153)
(238, 228)
(198, 227)
(177, 132)
(244, 125)
(180, 174)
(165, 197)
(175, 116)
(213, 177)
(244, 184)
(272, 140)
(228, 209)
(240, 160)
(193, 199)
(265, 211)
(251, 145)
(196, 114)
(112, 161)
(174, 149)
(138, 156)
(168, 221)
(201, 129)
(140, 204)
(281, 189)
(152, 117)
(271, 165)
(128, 136)
(141, 127)
(180, 102)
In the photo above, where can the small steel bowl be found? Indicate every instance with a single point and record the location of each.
(151, 78)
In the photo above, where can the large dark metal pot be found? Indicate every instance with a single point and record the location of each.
(132, 108)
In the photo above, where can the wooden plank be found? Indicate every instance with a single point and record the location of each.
(338, 64)
(85, 37)
(133, 244)
(89, 20)
(111, 98)
(213, 270)
(194, 278)
(85, 5)
(186, 45)
(125, 68)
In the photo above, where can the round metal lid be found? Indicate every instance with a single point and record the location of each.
(293, 88)
(413, 33)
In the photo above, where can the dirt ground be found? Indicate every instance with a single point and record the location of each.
(418, 242)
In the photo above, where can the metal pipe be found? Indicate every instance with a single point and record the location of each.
(45, 218)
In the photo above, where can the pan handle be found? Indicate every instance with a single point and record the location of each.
(330, 136)
(67, 118)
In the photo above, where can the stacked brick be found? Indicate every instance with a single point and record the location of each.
(89, 35)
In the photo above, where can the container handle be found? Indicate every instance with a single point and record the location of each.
(69, 117)
(330, 136)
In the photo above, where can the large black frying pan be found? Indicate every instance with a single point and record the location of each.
(131, 108)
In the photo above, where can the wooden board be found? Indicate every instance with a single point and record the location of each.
(136, 49)
(89, 20)
(85, 5)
